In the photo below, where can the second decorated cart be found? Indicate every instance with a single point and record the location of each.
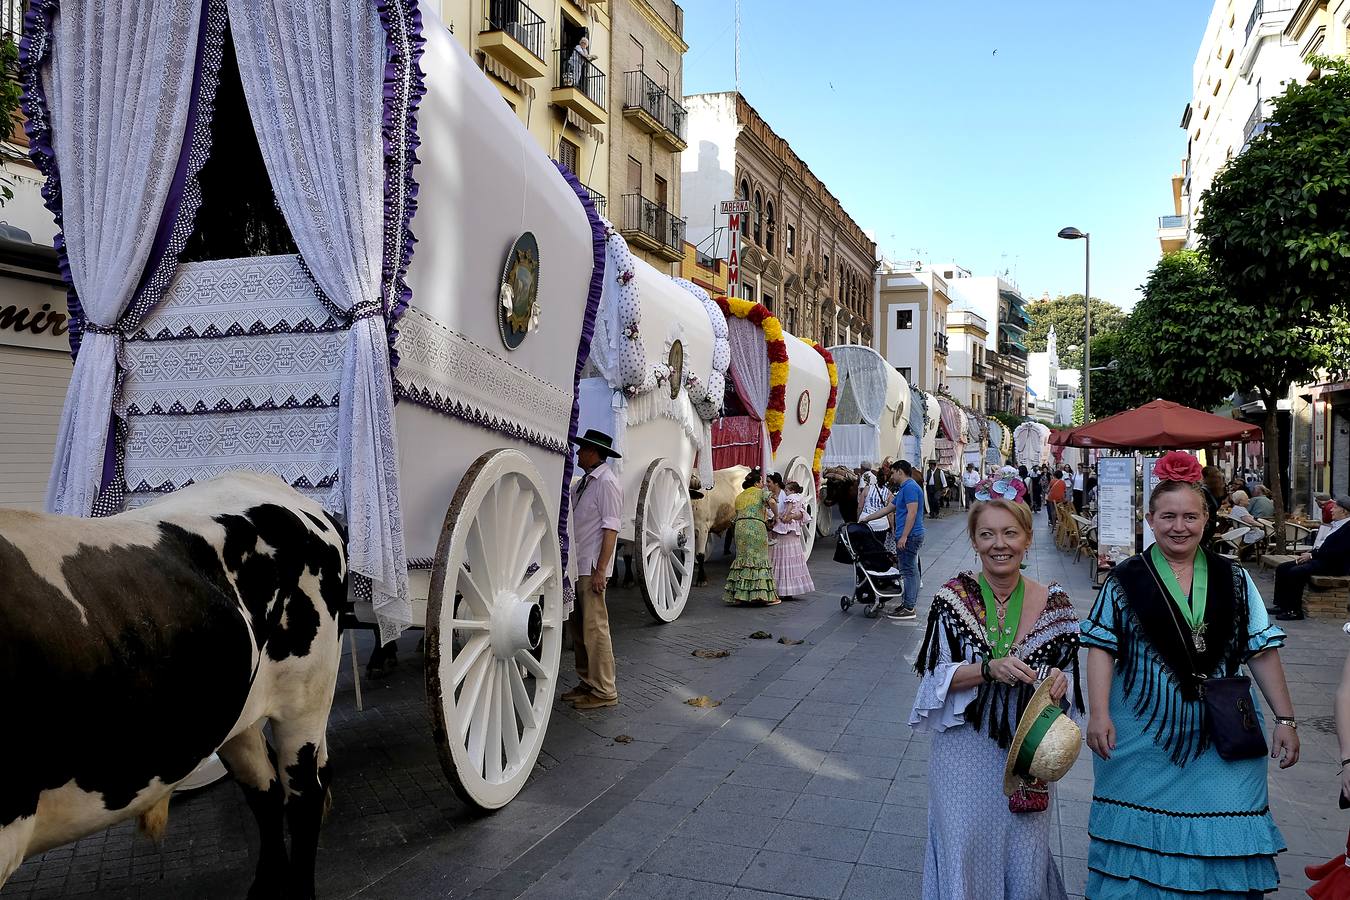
(873, 408)
(654, 382)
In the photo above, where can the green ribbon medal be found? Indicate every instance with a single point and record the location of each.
(1192, 607)
(1001, 637)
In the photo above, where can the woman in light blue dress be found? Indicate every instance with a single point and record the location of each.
(1170, 817)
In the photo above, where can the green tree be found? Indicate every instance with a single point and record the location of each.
(10, 96)
(1066, 315)
(1276, 229)
(1126, 386)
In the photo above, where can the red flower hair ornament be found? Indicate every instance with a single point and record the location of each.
(1178, 466)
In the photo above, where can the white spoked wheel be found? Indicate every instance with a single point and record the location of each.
(799, 470)
(494, 629)
(665, 541)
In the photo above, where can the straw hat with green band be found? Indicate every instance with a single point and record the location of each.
(1045, 745)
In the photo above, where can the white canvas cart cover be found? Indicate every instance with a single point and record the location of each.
(1032, 444)
(872, 411)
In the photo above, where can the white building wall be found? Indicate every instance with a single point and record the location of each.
(708, 168)
(904, 346)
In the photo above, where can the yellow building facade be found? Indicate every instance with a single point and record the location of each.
(529, 52)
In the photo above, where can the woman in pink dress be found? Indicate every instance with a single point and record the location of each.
(790, 574)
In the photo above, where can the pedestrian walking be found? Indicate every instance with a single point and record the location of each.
(907, 507)
(1180, 804)
(990, 636)
(1079, 489)
(1054, 496)
(791, 576)
(1330, 555)
(597, 509)
(750, 581)
(969, 479)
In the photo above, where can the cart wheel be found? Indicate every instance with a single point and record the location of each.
(799, 470)
(665, 526)
(873, 611)
(845, 602)
(494, 629)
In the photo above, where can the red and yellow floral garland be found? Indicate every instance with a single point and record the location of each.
(828, 425)
(759, 315)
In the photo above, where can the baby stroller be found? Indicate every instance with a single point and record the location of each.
(875, 576)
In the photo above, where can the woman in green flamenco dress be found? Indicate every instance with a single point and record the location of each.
(750, 581)
(1172, 815)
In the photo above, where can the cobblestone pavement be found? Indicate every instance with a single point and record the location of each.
(805, 781)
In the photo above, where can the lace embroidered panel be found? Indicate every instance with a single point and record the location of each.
(198, 407)
(446, 371)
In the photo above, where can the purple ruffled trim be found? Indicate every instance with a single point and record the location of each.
(404, 87)
(583, 353)
(35, 48)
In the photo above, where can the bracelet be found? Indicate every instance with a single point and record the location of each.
(1286, 720)
(984, 671)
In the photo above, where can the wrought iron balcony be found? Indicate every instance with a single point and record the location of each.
(1264, 8)
(514, 35)
(978, 370)
(1256, 122)
(652, 227)
(601, 204)
(580, 86)
(651, 107)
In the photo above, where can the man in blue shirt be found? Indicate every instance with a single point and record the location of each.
(908, 511)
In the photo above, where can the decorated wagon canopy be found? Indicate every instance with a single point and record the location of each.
(1031, 444)
(654, 382)
(231, 315)
(873, 408)
(781, 394)
(999, 439)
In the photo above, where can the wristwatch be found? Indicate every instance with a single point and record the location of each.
(1283, 720)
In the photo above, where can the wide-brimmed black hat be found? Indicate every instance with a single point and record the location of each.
(597, 439)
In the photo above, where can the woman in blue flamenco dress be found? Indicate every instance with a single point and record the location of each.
(1171, 818)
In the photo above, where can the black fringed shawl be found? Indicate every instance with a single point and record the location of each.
(1154, 666)
(958, 617)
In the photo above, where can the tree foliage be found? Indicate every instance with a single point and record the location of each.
(1276, 230)
(10, 96)
(1065, 313)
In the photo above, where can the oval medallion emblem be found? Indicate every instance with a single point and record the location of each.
(676, 363)
(803, 407)
(518, 294)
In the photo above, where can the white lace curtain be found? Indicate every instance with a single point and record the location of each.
(119, 82)
(749, 364)
(862, 377)
(313, 76)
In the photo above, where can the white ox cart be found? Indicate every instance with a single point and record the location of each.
(779, 404)
(872, 411)
(658, 360)
(238, 315)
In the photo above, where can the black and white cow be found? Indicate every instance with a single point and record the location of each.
(134, 646)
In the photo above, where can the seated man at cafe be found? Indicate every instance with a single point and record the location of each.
(1331, 557)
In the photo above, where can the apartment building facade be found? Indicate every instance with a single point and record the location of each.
(912, 303)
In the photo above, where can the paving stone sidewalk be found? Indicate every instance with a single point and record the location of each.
(804, 782)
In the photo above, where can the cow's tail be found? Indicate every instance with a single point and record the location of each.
(155, 820)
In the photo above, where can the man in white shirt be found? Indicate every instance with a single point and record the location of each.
(969, 479)
(597, 508)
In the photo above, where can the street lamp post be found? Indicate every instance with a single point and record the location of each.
(1073, 234)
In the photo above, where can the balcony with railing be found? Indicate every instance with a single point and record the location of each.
(650, 226)
(514, 35)
(1264, 11)
(580, 86)
(597, 198)
(1256, 123)
(940, 342)
(651, 108)
(1172, 232)
(978, 370)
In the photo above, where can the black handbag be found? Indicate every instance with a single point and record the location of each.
(1234, 728)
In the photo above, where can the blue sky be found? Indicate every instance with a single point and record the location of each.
(945, 149)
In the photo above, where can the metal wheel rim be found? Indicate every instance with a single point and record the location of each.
(799, 470)
(665, 541)
(491, 701)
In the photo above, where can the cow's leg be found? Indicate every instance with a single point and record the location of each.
(700, 576)
(302, 755)
(14, 839)
(728, 538)
(383, 659)
(628, 567)
(253, 765)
